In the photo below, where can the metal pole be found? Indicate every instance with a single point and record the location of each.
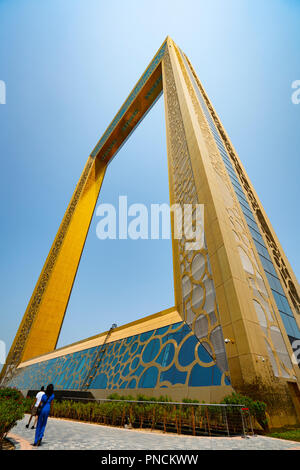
(244, 430)
(250, 419)
(226, 421)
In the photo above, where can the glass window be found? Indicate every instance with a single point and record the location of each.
(244, 203)
(151, 350)
(129, 339)
(248, 213)
(149, 378)
(228, 166)
(126, 370)
(237, 185)
(286, 306)
(138, 371)
(241, 198)
(239, 191)
(216, 375)
(177, 336)
(262, 249)
(134, 363)
(176, 325)
(116, 378)
(146, 335)
(132, 384)
(201, 376)
(203, 355)
(125, 357)
(256, 235)
(232, 177)
(173, 375)
(187, 351)
(133, 347)
(278, 298)
(161, 331)
(100, 381)
(287, 324)
(226, 159)
(295, 327)
(167, 355)
(274, 283)
(268, 266)
(251, 223)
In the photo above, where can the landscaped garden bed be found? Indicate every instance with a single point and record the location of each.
(12, 408)
(187, 417)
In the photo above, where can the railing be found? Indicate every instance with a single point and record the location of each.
(197, 419)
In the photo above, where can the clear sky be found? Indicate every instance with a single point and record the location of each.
(68, 66)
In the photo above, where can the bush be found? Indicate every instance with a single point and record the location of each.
(28, 404)
(257, 408)
(159, 413)
(11, 410)
(10, 393)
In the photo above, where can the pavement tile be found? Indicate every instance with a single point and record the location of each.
(66, 435)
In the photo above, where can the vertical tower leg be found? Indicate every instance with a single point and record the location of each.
(41, 324)
(228, 268)
(195, 293)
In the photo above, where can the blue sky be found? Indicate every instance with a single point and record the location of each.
(68, 66)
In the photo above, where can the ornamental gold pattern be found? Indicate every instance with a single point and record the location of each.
(199, 305)
(236, 316)
(274, 249)
(15, 354)
(278, 354)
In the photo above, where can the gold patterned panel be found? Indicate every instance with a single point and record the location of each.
(17, 349)
(286, 277)
(264, 308)
(197, 292)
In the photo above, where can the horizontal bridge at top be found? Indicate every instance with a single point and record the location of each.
(138, 103)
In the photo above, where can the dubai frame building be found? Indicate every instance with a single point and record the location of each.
(235, 323)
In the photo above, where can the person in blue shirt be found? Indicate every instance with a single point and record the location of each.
(45, 405)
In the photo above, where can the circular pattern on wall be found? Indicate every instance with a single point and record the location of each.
(161, 358)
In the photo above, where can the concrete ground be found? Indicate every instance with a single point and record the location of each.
(63, 434)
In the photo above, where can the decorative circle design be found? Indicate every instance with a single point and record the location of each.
(187, 351)
(167, 355)
(151, 350)
(133, 347)
(198, 266)
(149, 378)
(121, 368)
(135, 363)
(203, 355)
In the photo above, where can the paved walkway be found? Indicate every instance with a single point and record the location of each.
(68, 435)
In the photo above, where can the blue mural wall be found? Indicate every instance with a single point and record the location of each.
(161, 358)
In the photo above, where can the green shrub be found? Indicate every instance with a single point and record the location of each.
(189, 400)
(10, 393)
(116, 396)
(257, 408)
(159, 413)
(28, 403)
(11, 410)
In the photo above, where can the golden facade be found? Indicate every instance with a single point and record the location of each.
(237, 298)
